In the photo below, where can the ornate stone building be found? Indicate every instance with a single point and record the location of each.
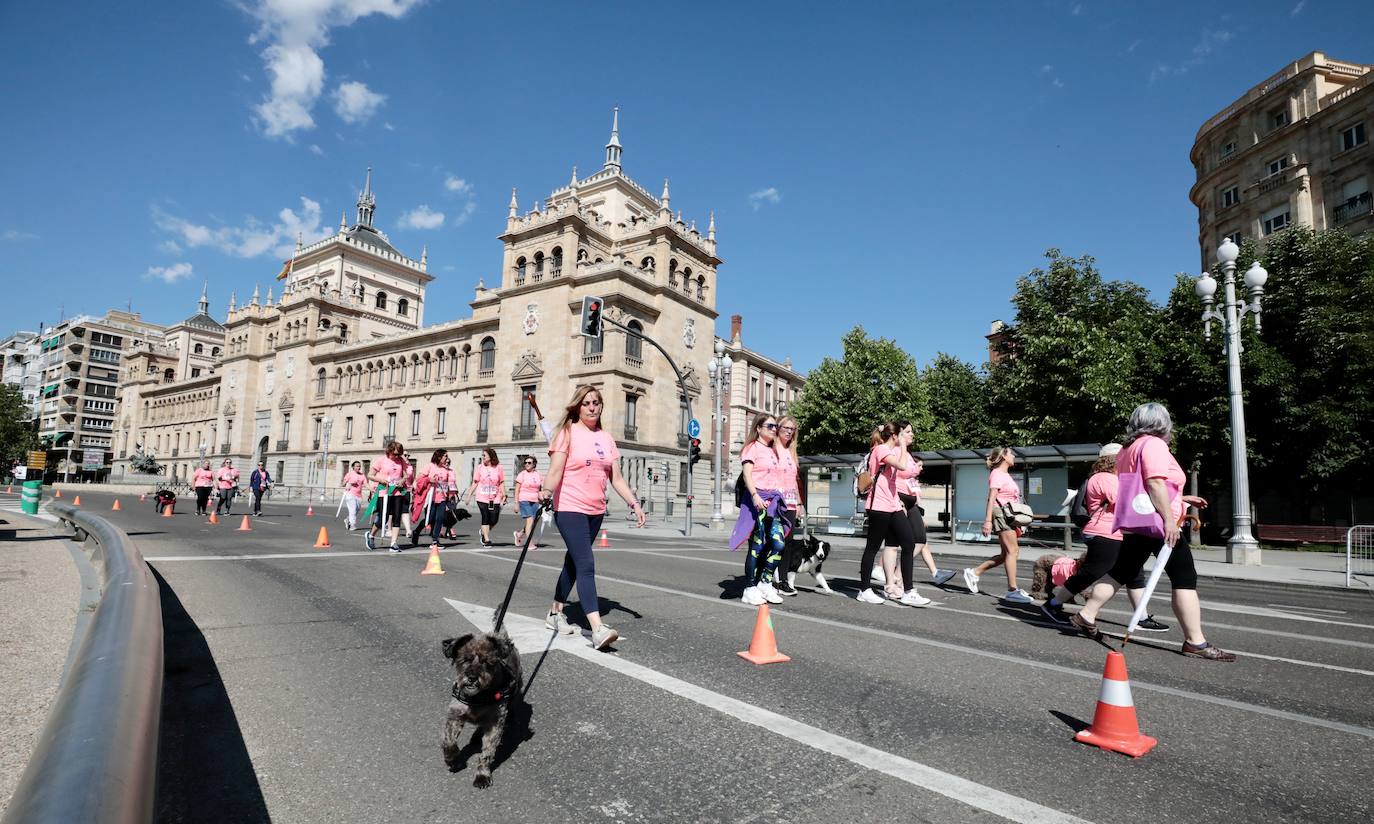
(342, 362)
(1292, 150)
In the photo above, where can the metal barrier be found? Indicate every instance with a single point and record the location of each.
(96, 759)
(1359, 552)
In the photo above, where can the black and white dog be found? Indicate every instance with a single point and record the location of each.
(806, 553)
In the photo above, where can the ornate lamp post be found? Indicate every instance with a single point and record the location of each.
(1242, 548)
(719, 369)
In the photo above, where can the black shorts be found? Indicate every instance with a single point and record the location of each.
(394, 509)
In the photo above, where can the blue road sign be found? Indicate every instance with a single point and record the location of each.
(694, 428)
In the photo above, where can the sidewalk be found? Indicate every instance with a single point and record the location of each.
(1317, 569)
(40, 594)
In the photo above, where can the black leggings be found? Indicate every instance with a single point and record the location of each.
(202, 499)
(1101, 557)
(881, 526)
(395, 505)
(1136, 549)
(917, 518)
(491, 512)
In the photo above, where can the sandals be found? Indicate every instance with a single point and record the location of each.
(1208, 651)
(1088, 628)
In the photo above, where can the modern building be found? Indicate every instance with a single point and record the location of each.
(343, 362)
(19, 365)
(79, 366)
(1292, 150)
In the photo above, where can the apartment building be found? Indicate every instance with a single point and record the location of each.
(19, 364)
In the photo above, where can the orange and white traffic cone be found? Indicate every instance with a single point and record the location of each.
(76, 501)
(1114, 724)
(115, 508)
(763, 647)
(322, 542)
(605, 540)
(244, 527)
(57, 493)
(432, 566)
(309, 511)
(167, 511)
(214, 517)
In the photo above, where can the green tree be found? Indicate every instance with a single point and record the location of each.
(959, 404)
(875, 381)
(16, 425)
(1079, 355)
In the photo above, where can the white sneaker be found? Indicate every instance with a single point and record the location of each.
(941, 577)
(558, 622)
(971, 581)
(753, 597)
(603, 637)
(868, 596)
(1017, 596)
(770, 594)
(912, 598)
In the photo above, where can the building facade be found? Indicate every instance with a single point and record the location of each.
(19, 365)
(1292, 150)
(343, 362)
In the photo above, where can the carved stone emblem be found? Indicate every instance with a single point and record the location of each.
(689, 333)
(531, 324)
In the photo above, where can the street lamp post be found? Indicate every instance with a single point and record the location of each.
(1242, 548)
(327, 425)
(719, 369)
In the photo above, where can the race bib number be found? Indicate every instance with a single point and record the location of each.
(913, 486)
(488, 489)
(790, 498)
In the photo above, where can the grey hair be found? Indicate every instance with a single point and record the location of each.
(1150, 419)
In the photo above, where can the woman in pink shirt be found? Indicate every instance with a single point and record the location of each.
(527, 486)
(909, 491)
(489, 487)
(582, 458)
(1148, 433)
(764, 479)
(353, 494)
(203, 481)
(227, 479)
(886, 516)
(794, 510)
(390, 473)
(1001, 490)
(441, 490)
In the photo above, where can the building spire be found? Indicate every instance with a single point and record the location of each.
(711, 227)
(613, 148)
(254, 301)
(269, 295)
(233, 301)
(573, 183)
(343, 221)
(514, 206)
(663, 200)
(424, 256)
(204, 305)
(367, 202)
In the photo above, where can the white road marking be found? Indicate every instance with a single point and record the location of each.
(530, 635)
(1258, 709)
(1310, 609)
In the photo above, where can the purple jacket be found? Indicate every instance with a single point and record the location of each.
(749, 516)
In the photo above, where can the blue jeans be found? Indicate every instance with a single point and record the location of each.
(579, 567)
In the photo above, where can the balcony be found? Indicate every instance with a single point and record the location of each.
(224, 449)
(634, 362)
(523, 433)
(71, 377)
(631, 433)
(1356, 207)
(486, 373)
(481, 436)
(1272, 182)
(66, 410)
(593, 359)
(282, 446)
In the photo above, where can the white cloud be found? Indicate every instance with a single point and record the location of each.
(1078, 9)
(14, 235)
(770, 196)
(253, 238)
(354, 102)
(457, 184)
(294, 31)
(316, 150)
(1134, 45)
(171, 247)
(1298, 8)
(1199, 54)
(387, 125)
(168, 274)
(469, 209)
(422, 217)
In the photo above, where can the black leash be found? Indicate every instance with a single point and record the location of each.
(510, 590)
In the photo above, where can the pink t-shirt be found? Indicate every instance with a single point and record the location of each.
(441, 481)
(353, 482)
(203, 477)
(1063, 569)
(1101, 499)
(491, 482)
(591, 457)
(389, 470)
(907, 482)
(227, 477)
(527, 485)
(885, 484)
(1007, 490)
(767, 471)
(1150, 456)
(787, 474)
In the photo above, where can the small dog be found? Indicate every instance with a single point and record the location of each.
(1051, 571)
(487, 683)
(806, 554)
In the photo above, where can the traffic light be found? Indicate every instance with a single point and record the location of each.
(591, 317)
(694, 452)
(649, 473)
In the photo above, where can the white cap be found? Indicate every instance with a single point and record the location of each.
(1108, 449)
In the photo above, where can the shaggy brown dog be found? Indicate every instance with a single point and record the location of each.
(486, 684)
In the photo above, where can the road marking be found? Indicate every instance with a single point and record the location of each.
(531, 635)
(1257, 709)
(1310, 609)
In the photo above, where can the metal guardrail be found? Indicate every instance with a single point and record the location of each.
(1359, 552)
(96, 759)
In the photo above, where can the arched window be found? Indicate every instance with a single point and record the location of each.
(381, 300)
(467, 356)
(343, 332)
(324, 324)
(687, 279)
(319, 381)
(701, 287)
(519, 270)
(488, 360)
(672, 273)
(215, 351)
(167, 376)
(647, 264)
(634, 345)
(538, 265)
(557, 261)
(581, 255)
(199, 349)
(402, 307)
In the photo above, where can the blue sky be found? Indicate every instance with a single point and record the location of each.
(893, 164)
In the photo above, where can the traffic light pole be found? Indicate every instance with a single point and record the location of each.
(686, 398)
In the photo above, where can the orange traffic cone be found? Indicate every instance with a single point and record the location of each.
(322, 542)
(432, 566)
(1114, 726)
(115, 508)
(167, 511)
(309, 511)
(214, 517)
(763, 648)
(605, 540)
(244, 527)
(76, 501)
(57, 493)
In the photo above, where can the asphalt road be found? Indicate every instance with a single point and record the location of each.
(308, 685)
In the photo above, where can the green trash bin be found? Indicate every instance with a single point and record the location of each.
(31, 497)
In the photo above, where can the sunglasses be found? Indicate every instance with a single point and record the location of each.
(771, 427)
(787, 429)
